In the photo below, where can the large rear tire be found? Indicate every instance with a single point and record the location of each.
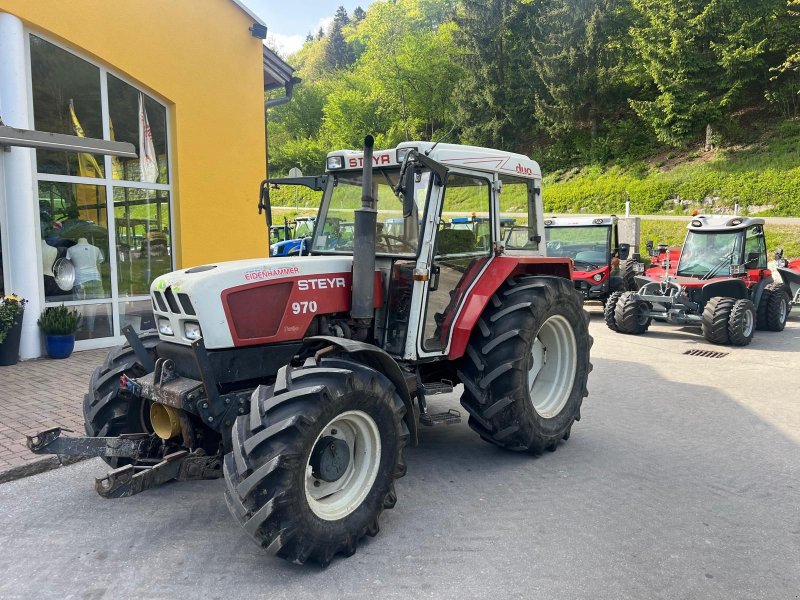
(314, 463)
(627, 270)
(716, 314)
(630, 314)
(774, 307)
(109, 411)
(527, 365)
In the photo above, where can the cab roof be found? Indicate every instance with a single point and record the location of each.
(721, 223)
(455, 155)
(596, 221)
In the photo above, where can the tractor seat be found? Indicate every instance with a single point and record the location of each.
(455, 241)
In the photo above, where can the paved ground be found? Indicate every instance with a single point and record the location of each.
(681, 481)
(37, 395)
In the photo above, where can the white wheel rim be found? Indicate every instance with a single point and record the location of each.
(335, 500)
(553, 364)
(782, 313)
(747, 323)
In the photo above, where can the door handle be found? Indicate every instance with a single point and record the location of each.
(433, 283)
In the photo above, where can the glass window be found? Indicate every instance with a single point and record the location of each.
(136, 118)
(138, 313)
(463, 246)
(66, 99)
(755, 245)
(96, 321)
(74, 239)
(2, 277)
(518, 195)
(710, 254)
(144, 238)
(589, 246)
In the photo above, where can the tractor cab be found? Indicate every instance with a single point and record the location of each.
(716, 247)
(593, 245)
(281, 233)
(292, 245)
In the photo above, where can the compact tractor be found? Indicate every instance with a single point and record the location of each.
(301, 382)
(789, 270)
(719, 282)
(295, 235)
(602, 265)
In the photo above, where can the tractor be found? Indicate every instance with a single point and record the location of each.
(789, 270)
(301, 229)
(602, 265)
(302, 382)
(720, 282)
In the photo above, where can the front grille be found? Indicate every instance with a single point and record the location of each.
(162, 306)
(186, 304)
(173, 303)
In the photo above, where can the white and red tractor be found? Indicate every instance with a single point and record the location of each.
(602, 265)
(302, 381)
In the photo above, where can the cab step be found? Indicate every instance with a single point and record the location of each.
(437, 387)
(451, 417)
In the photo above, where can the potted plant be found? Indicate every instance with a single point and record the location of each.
(12, 308)
(59, 324)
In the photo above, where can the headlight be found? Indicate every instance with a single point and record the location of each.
(191, 331)
(402, 153)
(597, 276)
(273, 249)
(335, 162)
(165, 327)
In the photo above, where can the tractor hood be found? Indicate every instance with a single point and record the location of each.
(250, 302)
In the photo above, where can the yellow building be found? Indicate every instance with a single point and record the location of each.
(184, 82)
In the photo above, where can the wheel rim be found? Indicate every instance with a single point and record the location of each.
(748, 323)
(335, 500)
(782, 311)
(641, 314)
(553, 365)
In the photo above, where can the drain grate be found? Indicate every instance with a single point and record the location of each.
(706, 353)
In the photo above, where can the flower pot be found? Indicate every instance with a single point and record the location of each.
(9, 348)
(59, 346)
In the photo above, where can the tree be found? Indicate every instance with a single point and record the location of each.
(579, 52)
(338, 54)
(358, 14)
(494, 99)
(341, 16)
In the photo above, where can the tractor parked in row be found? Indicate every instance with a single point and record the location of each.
(789, 271)
(602, 264)
(293, 244)
(303, 381)
(720, 282)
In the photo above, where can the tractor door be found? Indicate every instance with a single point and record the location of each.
(755, 252)
(456, 257)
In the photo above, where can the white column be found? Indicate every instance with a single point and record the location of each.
(21, 198)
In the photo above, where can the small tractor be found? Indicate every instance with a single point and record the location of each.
(302, 382)
(602, 265)
(293, 245)
(281, 233)
(719, 282)
(789, 270)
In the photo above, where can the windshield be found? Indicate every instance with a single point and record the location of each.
(395, 235)
(588, 246)
(704, 253)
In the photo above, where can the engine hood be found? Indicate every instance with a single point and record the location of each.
(248, 302)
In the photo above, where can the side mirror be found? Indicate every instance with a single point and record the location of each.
(649, 247)
(264, 203)
(624, 251)
(779, 254)
(752, 257)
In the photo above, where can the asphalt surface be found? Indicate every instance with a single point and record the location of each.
(680, 481)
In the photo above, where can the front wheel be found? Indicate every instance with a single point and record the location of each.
(774, 307)
(314, 463)
(742, 323)
(527, 365)
(631, 314)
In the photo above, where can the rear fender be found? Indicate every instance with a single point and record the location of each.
(758, 289)
(377, 359)
(499, 270)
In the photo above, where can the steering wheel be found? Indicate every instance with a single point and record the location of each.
(556, 246)
(389, 238)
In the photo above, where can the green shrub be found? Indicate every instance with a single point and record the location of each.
(59, 320)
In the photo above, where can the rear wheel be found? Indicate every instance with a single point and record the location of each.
(627, 270)
(773, 307)
(109, 411)
(527, 364)
(608, 310)
(742, 323)
(631, 314)
(715, 319)
(314, 463)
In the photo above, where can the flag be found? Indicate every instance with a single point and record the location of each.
(87, 164)
(148, 164)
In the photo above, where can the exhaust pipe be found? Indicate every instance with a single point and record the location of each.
(165, 420)
(366, 219)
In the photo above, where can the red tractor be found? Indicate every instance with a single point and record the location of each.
(789, 270)
(719, 282)
(303, 381)
(602, 265)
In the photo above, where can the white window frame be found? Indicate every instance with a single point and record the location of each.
(110, 183)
